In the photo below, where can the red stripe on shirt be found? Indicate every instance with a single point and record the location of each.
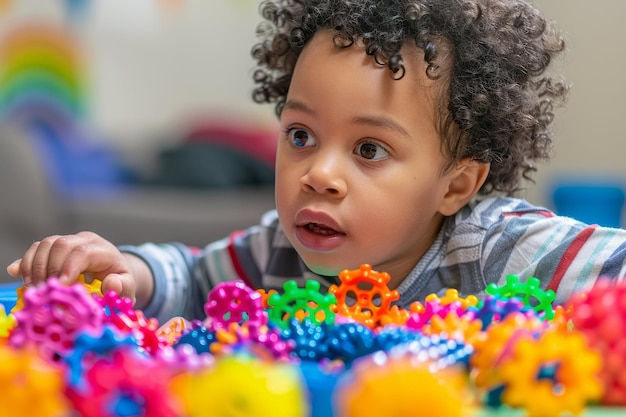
(544, 213)
(569, 256)
(234, 259)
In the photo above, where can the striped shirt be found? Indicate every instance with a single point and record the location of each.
(482, 244)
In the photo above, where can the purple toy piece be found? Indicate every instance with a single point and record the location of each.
(234, 302)
(53, 315)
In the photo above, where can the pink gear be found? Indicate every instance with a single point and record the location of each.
(53, 315)
(234, 302)
(434, 308)
(600, 314)
(120, 313)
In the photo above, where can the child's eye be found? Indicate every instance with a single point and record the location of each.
(371, 150)
(300, 137)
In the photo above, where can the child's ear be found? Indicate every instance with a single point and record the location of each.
(465, 181)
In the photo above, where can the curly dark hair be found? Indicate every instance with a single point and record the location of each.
(501, 99)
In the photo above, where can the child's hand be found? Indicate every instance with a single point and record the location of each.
(66, 257)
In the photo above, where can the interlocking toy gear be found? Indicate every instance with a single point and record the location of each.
(307, 301)
(234, 302)
(529, 292)
(553, 374)
(363, 295)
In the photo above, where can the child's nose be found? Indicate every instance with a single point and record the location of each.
(325, 176)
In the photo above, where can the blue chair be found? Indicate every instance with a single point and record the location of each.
(590, 201)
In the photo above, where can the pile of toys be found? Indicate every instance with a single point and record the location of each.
(73, 351)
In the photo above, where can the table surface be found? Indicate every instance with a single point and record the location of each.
(589, 412)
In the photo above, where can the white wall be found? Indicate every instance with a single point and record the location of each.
(590, 137)
(152, 68)
(157, 68)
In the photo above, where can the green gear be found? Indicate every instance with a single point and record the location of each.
(308, 300)
(527, 292)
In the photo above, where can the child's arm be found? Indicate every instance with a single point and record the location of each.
(68, 256)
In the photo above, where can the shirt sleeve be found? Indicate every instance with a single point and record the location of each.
(184, 275)
(566, 255)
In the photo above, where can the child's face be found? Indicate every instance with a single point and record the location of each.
(359, 167)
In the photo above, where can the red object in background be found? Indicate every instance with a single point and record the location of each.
(258, 141)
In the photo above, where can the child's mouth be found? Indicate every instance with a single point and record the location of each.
(319, 237)
(320, 229)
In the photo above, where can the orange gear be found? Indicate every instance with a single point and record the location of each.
(384, 386)
(417, 307)
(572, 380)
(494, 345)
(173, 329)
(31, 386)
(228, 337)
(265, 295)
(369, 289)
(454, 326)
(396, 316)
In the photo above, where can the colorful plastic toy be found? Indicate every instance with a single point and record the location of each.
(461, 327)
(600, 315)
(31, 386)
(452, 296)
(433, 308)
(93, 287)
(350, 341)
(173, 329)
(493, 347)
(309, 338)
(320, 378)
(395, 316)
(234, 302)
(7, 323)
(199, 337)
(265, 295)
(299, 351)
(53, 315)
(385, 385)
(271, 340)
(243, 386)
(492, 309)
(264, 341)
(88, 348)
(307, 301)
(126, 384)
(120, 313)
(529, 292)
(553, 374)
(363, 295)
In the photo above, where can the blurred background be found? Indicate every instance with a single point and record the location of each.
(134, 119)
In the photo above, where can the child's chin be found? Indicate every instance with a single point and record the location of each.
(325, 270)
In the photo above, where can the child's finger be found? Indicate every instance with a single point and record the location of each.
(121, 284)
(26, 264)
(14, 268)
(49, 257)
(67, 257)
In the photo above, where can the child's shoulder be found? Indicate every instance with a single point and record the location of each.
(487, 212)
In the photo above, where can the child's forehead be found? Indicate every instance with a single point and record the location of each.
(324, 46)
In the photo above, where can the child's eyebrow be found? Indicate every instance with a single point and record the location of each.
(298, 106)
(375, 121)
(382, 121)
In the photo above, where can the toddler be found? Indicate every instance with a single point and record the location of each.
(408, 127)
